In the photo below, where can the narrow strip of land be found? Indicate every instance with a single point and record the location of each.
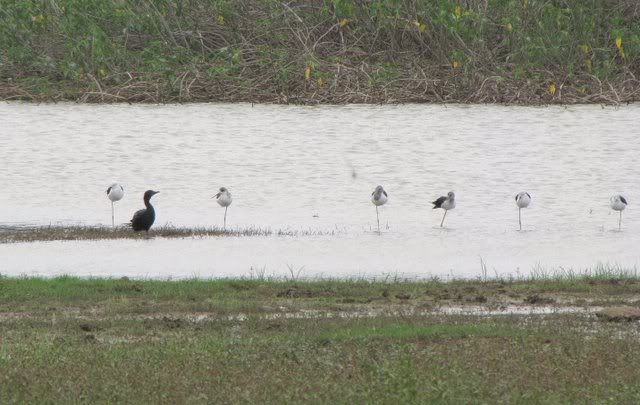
(14, 234)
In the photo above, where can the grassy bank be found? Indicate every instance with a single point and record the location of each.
(324, 51)
(119, 340)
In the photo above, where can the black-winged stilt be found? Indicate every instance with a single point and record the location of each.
(618, 203)
(115, 192)
(523, 199)
(446, 203)
(379, 197)
(225, 200)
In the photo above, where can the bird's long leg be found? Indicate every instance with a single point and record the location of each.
(113, 221)
(442, 222)
(378, 218)
(620, 222)
(520, 217)
(225, 218)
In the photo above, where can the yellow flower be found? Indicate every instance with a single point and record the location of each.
(421, 26)
(307, 73)
(320, 82)
(619, 42)
(508, 27)
(584, 48)
(221, 20)
(455, 64)
(552, 88)
(587, 65)
(457, 11)
(343, 22)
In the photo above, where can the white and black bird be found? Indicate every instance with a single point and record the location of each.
(379, 197)
(523, 199)
(446, 203)
(224, 199)
(618, 203)
(115, 192)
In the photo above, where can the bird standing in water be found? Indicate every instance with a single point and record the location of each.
(144, 218)
(523, 199)
(225, 200)
(446, 203)
(379, 197)
(618, 203)
(115, 192)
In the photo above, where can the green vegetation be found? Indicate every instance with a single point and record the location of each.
(257, 294)
(328, 51)
(272, 341)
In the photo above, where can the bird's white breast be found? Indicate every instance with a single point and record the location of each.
(225, 199)
(116, 192)
(523, 200)
(617, 204)
(449, 204)
(382, 199)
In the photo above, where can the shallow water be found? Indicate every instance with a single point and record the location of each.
(314, 168)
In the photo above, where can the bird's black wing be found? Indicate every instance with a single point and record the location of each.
(138, 215)
(385, 193)
(517, 197)
(438, 203)
(623, 200)
(108, 190)
(528, 195)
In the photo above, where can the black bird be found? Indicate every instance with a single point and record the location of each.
(143, 219)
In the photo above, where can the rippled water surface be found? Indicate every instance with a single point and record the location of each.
(314, 168)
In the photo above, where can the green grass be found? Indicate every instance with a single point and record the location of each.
(411, 360)
(400, 332)
(328, 51)
(264, 294)
(68, 339)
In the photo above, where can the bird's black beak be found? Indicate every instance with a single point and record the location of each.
(155, 192)
(217, 195)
